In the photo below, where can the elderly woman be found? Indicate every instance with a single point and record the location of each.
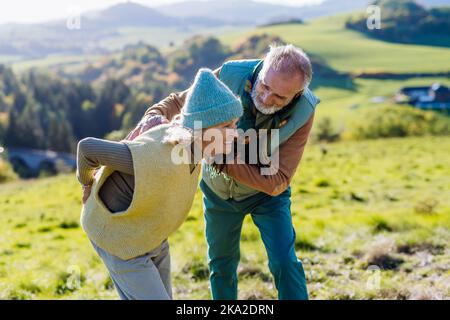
(143, 192)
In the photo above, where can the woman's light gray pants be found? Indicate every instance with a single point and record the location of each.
(145, 277)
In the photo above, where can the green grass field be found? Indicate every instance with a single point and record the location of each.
(350, 51)
(382, 202)
(372, 217)
(342, 101)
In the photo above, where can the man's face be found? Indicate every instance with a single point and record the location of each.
(275, 90)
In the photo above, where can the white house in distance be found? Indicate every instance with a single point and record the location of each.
(435, 97)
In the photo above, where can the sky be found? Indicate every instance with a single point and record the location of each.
(29, 11)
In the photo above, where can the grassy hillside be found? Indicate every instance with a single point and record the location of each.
(342, 49)
(342, 101)
(157, 36)
(355, 204)
(351, 51)
(383, 202)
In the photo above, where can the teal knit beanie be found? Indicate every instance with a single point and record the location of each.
(209, 101)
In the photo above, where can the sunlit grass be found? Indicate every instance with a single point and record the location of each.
(345, 203)
(350, 51)
(342, 104)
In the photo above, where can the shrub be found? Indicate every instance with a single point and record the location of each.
(426, 206)
(326, 131)
(381, 225)
(6, 172)
(69, 225)
(398, 121)
(69, 282)
(322, 182)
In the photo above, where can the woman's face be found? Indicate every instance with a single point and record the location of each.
(219, 139)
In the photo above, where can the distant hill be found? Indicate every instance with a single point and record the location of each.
(131, 14)
(40, 40)
(435, 3)
(128, 23)
(347, 50)
(253, 12)
(406, 21)
(127, 14)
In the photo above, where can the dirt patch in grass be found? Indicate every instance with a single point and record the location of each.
(382, 255)
(253, 272)
(412, 248)
(198, 270)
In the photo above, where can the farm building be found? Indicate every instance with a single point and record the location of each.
(435, 97)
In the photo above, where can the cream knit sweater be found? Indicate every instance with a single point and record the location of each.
(163, 195)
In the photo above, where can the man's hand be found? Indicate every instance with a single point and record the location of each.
(145, 124)
(86, 193)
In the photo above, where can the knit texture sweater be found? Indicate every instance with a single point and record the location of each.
(154, 213)
(117, 190)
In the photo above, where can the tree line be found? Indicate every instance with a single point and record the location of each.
(406, 21)
(106, 98)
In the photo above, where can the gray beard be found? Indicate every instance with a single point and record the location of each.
(266, 110)
(261, 108)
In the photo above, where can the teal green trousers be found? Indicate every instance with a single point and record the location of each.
(272, 216)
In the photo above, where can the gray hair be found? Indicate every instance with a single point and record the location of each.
(290, 60)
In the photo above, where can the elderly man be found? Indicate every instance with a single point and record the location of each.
(275, 95)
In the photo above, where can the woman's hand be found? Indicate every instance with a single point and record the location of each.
(145, 124)
(86, 193)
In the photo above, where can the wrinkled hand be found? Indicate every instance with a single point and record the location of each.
(145, 124)
(86, 193)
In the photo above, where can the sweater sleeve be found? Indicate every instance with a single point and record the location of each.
(172, 105)
(290, 154)
(93, 153)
